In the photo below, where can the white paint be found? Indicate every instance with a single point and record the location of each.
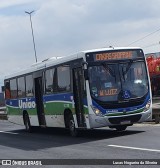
(33, 120)
(55, 121)
(6, 132)
(27, 104)
(135, 148)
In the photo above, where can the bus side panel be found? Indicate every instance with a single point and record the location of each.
(13, 112)
(15, 109)
(54, 107)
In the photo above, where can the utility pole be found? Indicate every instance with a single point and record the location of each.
(30, 13)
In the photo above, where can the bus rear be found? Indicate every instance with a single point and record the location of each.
(118, 87)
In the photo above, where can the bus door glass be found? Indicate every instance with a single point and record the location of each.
(78, 92)
(39, 100)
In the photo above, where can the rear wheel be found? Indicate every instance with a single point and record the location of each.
(27, 123)
(121, 127)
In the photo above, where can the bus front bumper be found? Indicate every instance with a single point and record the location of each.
(129, 119)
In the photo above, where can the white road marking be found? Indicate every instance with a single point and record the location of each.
(128, 147)
(6, 132)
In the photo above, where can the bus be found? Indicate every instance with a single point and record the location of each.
(153, 63)
(90, 89)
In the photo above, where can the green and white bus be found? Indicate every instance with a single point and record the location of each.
(90, 89)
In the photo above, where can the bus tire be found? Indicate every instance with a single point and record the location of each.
(27, 124)
(121, 127)
(73, 131)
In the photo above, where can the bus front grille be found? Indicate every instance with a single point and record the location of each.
(118, 120)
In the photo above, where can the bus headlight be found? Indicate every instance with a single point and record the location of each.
(147, 106)
(96, 111)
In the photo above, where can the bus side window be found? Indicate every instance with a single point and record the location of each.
(7, 90)
(29, 86)
(64, 82)
(21, 87)
(13, 88)
(49, 81)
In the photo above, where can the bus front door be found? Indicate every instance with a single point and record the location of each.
(39, 101)
(78, 93)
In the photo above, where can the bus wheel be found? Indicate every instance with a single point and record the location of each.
(27, 123)
(73, 131)
(121, 127)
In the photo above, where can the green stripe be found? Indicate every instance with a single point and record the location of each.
(13, 111)
(50, 108)
(56, 108)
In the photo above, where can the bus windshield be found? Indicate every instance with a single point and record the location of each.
(118, 81)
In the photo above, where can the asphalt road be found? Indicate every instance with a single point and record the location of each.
(141, 141)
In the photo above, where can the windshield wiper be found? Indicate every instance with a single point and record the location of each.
(108, 69)
(123, 95)
(124, 72)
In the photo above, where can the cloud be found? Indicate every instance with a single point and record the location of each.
(7, 3)
(68, 26)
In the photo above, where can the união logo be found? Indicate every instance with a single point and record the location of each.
(26, 104)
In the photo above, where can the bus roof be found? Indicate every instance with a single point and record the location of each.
(110, 48)
(53, 61)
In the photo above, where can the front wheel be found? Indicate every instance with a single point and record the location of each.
(73, 131)
(121, 128)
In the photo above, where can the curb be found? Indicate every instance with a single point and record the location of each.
(147, 124)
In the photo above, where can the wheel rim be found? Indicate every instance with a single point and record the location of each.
(71, 126)
(72, 129)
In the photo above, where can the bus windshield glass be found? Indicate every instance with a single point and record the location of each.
(118, 81)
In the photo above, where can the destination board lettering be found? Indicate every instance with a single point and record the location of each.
(109, 92)
(113, 55)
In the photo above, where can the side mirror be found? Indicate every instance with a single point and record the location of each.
(86, 74)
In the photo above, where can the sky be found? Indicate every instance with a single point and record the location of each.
(64, 27)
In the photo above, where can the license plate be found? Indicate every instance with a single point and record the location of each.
(125, 122)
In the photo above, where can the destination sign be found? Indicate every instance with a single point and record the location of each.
(113, 56)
